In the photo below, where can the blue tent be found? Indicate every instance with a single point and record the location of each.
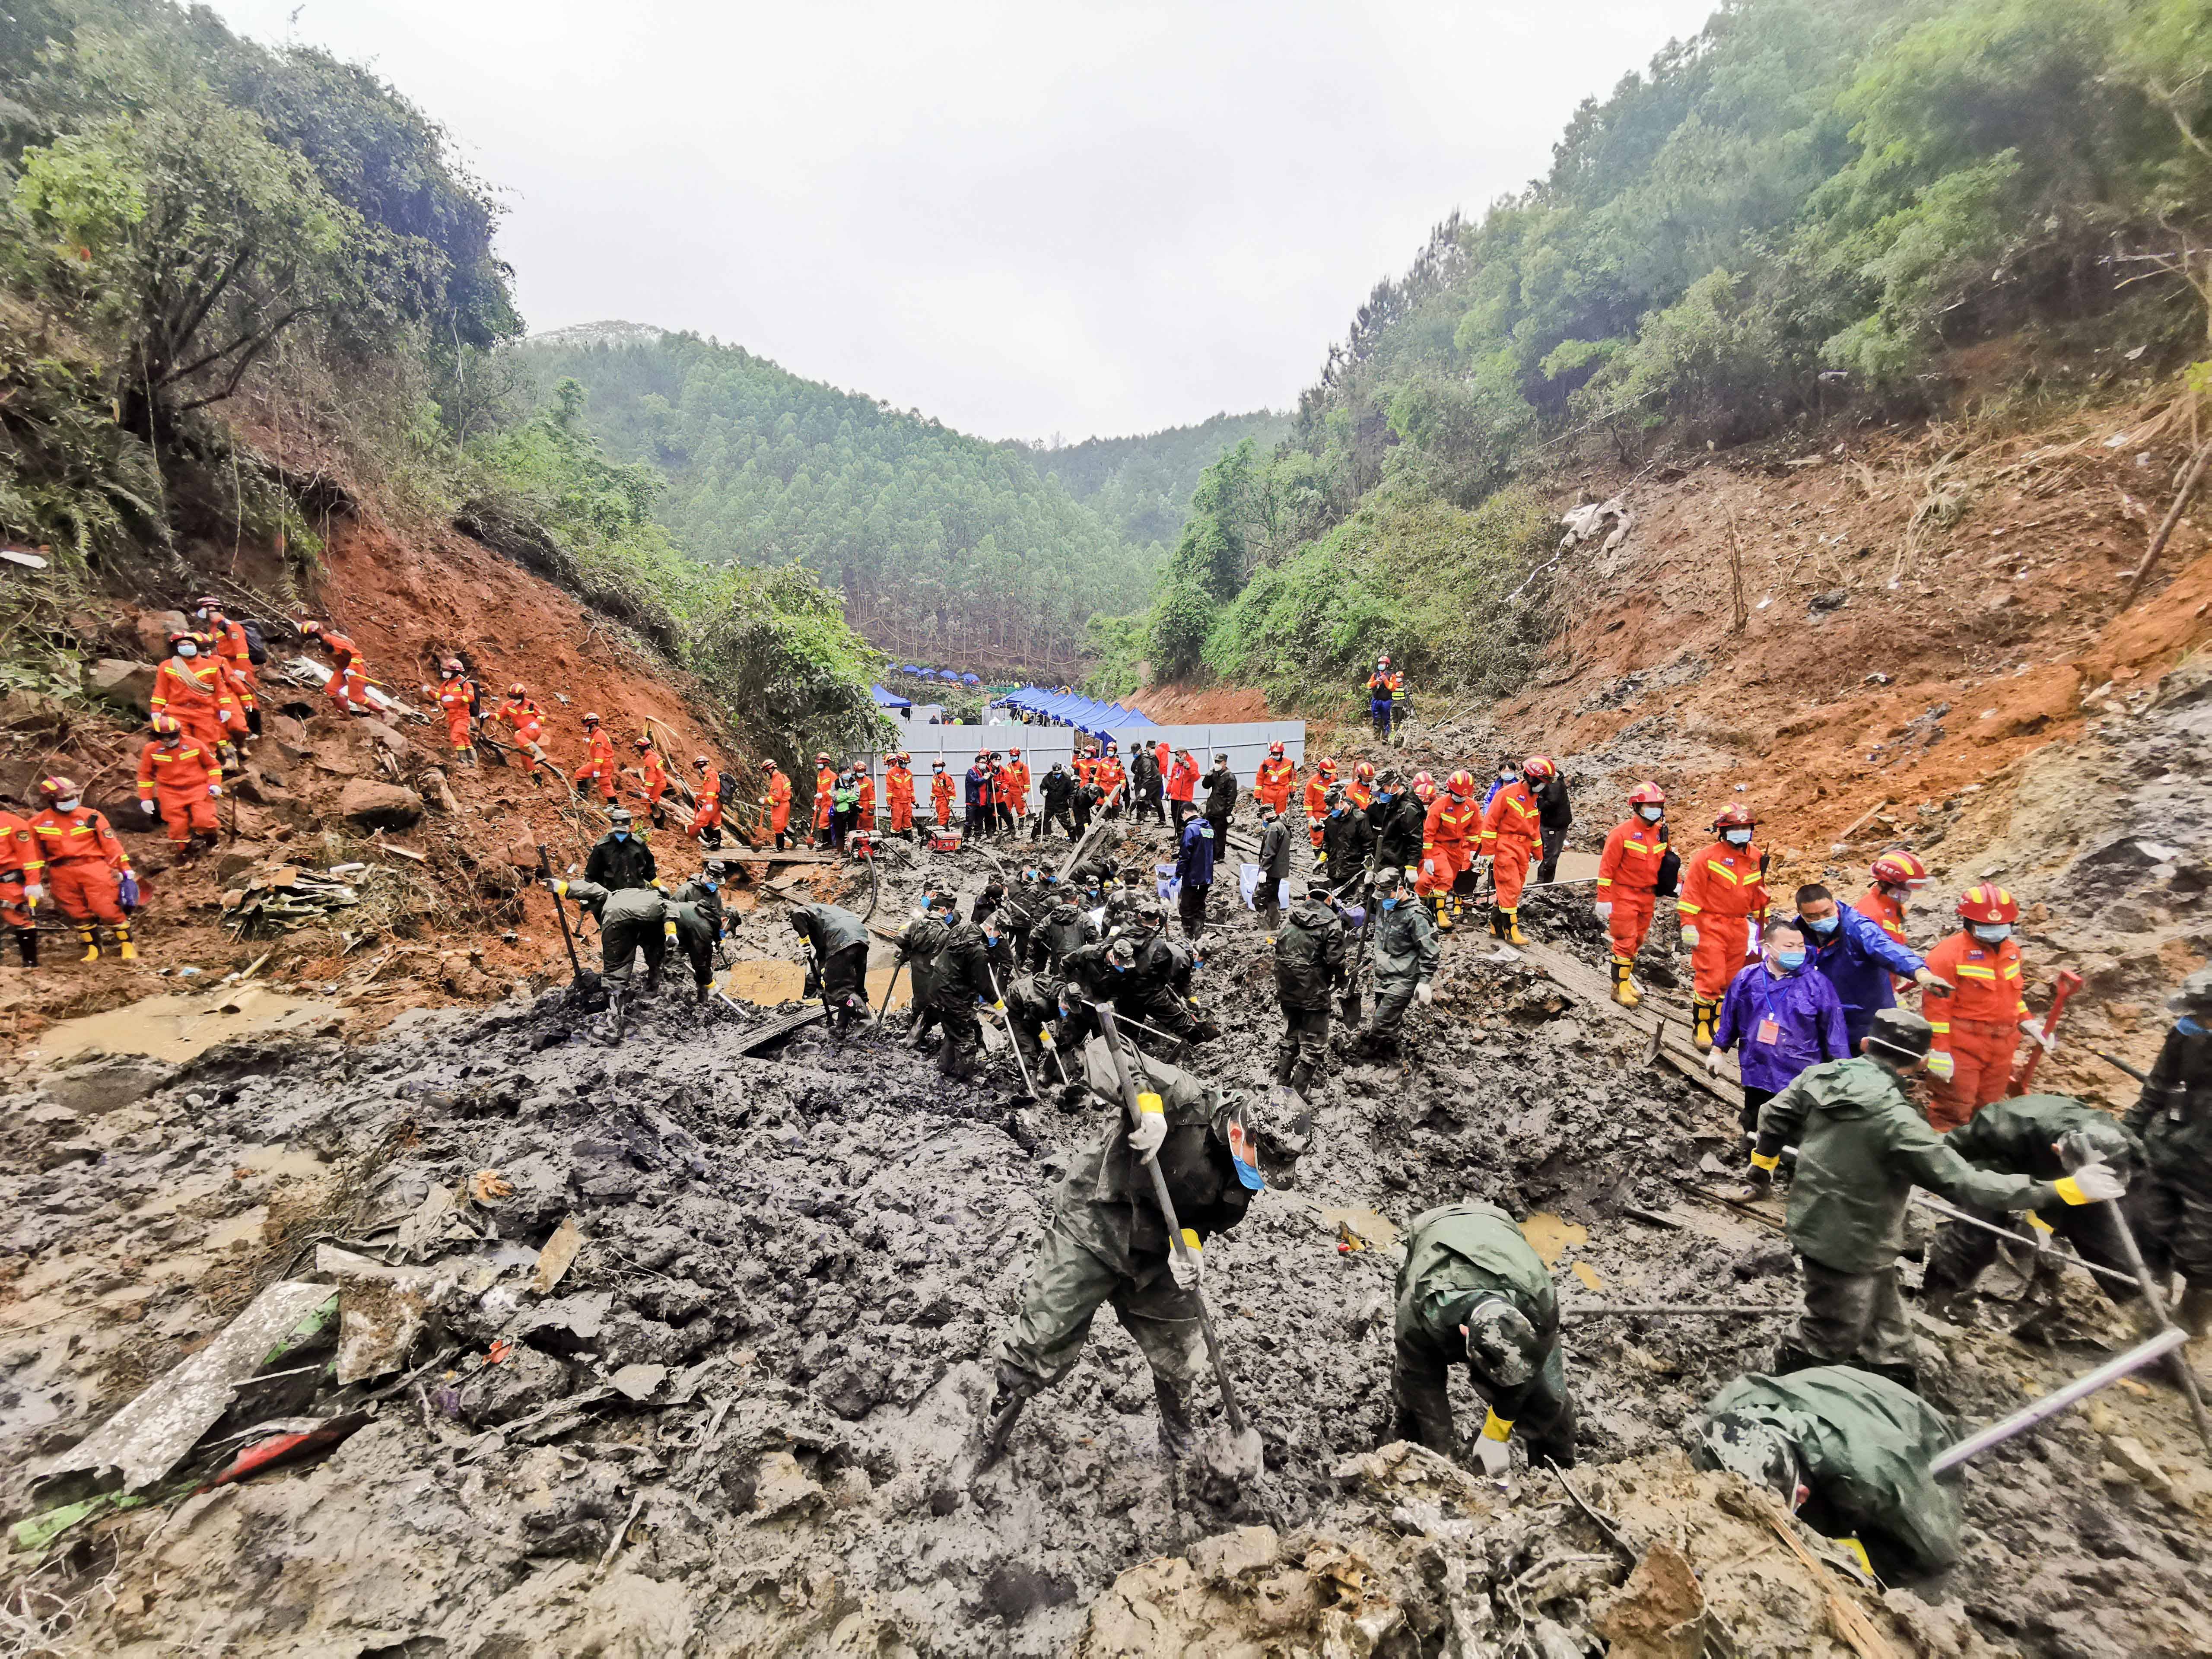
(969, 679)
(888, 699)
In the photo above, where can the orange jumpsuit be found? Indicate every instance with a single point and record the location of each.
(1017, 775)
(457, 698)
(183, 781)
(349, 683)
(1362, 796)
(1316, 805)
(1273, 784)
(1109, 775)
(898, 795)
(1978, 1024)
(82, 859)
(241, 685)
(865, 817)
(237, 656)
(22, 868)
(1447, 846)
(825, 786)
(1886, 914)
(778, 802)
(193, 691)
(528, 720)
(707, 815)
(940, 796)
(1628, 881)
(654, 776)
(1510, 837)
(1723, 889)
(599, 763)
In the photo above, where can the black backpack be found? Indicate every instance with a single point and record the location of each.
(255, 652)
(726, 792)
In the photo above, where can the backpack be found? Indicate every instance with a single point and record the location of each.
(727, 790)
(255, 652)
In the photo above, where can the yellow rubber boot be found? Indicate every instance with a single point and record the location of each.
(1701, 1029)
(124, 947)
(1513, 933)
(1441, 910)
(91, 944)
(1624, 984)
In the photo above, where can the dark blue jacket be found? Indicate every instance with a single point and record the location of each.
(1195, 863)
(977, 779)
(1858, 959)
(1808, 1025)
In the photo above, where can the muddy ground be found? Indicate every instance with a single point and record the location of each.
(812, 1247)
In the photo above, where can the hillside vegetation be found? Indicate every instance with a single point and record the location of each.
(202, 236)
(1807, 209)
(1143, 485)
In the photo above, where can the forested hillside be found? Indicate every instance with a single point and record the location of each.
(1816, 208)
(1143, 485)
(947, 549)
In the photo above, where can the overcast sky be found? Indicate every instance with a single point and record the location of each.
(1024, 219)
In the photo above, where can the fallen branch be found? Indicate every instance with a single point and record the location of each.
(2166, 529)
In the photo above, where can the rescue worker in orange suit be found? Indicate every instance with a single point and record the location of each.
(1182, 789)
(1512, 835)
(1896, 877)
(653, 776)
(230, 644)
(777, 804)
(191, 690)
(898, 792)
(182, 781)
(349, 682)
(1450, 831)
(865, 817)
(528, 722)
(1723, 892)
(825, 788)
(456, 697)
(1112, 780)
(1360, 791)
(1629, 873)
(1976, 1027)
(599, 760)
(707, 814)
(1015, 774)
(86, 866)
(22, 882)
(1317, 804)
(940, 794)
(1276, 775)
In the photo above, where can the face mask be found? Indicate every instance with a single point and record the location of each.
(709, 883)
(186, 648)
(621, 834)
(69, 805)
(1738, 837)
(1389, 904)
(202, 615)
(1823, 924)
(1991, 933)
(1789, 961)
(1651, 814)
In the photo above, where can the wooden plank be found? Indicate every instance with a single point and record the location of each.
(783, 1025)
(1590, 989)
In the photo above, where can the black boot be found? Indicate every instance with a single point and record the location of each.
(26, 945)
(1178, 1439)
(1903, 1374)
(1013, 1391)
(1789, 1357)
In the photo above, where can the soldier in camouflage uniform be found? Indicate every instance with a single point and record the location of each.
(2171, 1211)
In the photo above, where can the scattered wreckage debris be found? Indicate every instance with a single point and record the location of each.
(288, 898)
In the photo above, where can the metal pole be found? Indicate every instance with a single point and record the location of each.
(545, 869)
(2011, 1238)
(2166, 1342)
(1677, 1308)
(1013, 1037)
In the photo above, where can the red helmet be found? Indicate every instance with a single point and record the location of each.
(1424, 787)
(699, 761)
(1365, 771)
(1460, 783)
(1381, 662)
(450, 666)
(1014, 754)
(591, 719)
(1327, 769)
(180, 636)
(1986, 902)
(1737, 817)
(1647, 793)
(1276, 750)
(54, 787)
(1538, 766)
(642, 744)
(821, 759)
(311, 629)
(1900, 869)
(768, 766)
(517, 690)
(168, 725)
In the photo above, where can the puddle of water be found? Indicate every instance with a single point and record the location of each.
(179, 1027)
(1549, 1235)
(1372, 1229)
(1581, 1270)
(245, 1228)
(769, 983)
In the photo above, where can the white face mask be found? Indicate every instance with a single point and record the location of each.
(69, 805)
(1738, 837)
(1651, 814)
(186, 648)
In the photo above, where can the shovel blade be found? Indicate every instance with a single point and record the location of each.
(1232, 1457)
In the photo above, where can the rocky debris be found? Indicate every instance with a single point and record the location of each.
(287, 898)
(366, 804)
(127, 686)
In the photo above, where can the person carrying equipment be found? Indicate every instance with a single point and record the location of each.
(22, 881)
(1856, 957)
(599, 760)
(1317, 800)
(1221, 790)
(1182, 789)
(825, 801)
(1861, 1147)
(1396, 824)
(940, 794)
(1274, 862)
(1512, 834)
(457, 700)
(619, 859)
(1631, 871)
(1106, 1242)
(1014, 776)
(1276, 775)
(191, 690)
(632, 920)
(528, 722)
(1310, 968)
(650, 772)
(1781, 1016)
(898, 793)
(864, 804)
(1449, 832)
(1724, 891)
(837, 958)
(1848, 1451)
(1471, 1291)
(1345, 844)
(348, 686)
(704, 892)
(1060, 932)
(182, 781)
(2172, 1117)
(233, 646)
(976, 798)
(1147, 781)
(1405, 954)
(1384, 687)
(706, 826)
(1976, 1025)
(2030, 1135)
(86, 867)
(1111, 781)
(962, 983)
(777, 804)
(1056, 796)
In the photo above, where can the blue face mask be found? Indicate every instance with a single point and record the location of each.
(621, 834)
(1389, 904)
(1737, 837)
(1790, 961)
(2188, 1027)
(1991, 933)
(1823, 924)
(709, 883)
(186, 648)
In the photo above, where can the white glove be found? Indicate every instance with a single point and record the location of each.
(1422, 994)
(1714, 1060)
(1188, 1266)
(215, 791)
(1941, 1065)
(1493, 1459)
(1690, 935)
(146, 807)
(1428, 866)
(1604, 909)
(2099, 1180)
(1929, 981)
(1151, 1126)
(35, 892)
(2035, 1033)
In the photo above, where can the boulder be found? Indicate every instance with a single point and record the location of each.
(103, 1084)
(122, 683)
(368, 804)
(153, 628)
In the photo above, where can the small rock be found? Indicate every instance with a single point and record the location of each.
(638, 1382)
(369, 804)
(782, 1487)
(2134, 1460)
(1229, 1554)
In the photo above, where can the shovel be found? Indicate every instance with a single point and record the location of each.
(2068, 983)
(1237, 1454)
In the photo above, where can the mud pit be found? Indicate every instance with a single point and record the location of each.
(727, 1428)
